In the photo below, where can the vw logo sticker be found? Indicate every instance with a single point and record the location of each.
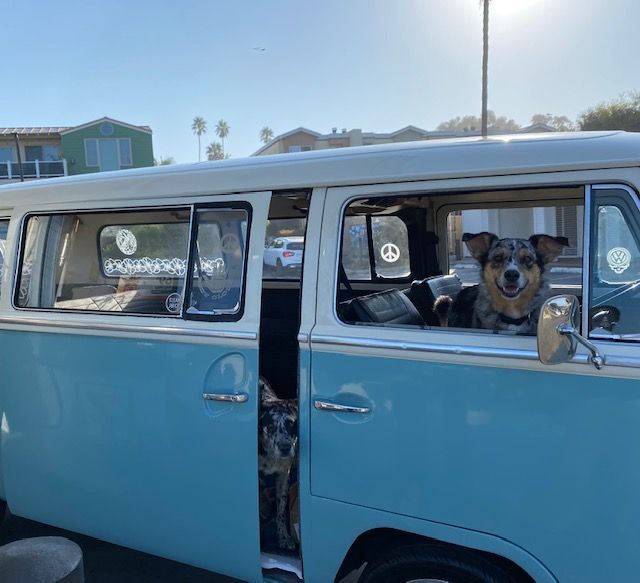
(390, 252)
(619, 259)
(126, 242)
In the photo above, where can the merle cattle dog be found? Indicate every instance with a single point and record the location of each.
(277, 441)
(513, 284)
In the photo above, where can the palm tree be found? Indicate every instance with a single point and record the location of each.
(485, 64)
(266, 134)
(215, 151)
(222, 131)
(199, 127)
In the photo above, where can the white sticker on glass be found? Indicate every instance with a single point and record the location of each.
(390, 252)
(173, 302)
(126, 242)
(619, 259)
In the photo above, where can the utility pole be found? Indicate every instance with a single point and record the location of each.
(485, 64)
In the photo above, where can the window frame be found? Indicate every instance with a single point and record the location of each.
(368, 219)
(86, 153)
(590, 228)
(223, 317)
(180, 316)
(88, 211)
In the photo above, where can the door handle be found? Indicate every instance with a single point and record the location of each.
(326, 406)
(239, 398)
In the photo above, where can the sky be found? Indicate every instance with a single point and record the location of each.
(378, 65)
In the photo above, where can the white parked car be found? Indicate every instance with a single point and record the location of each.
(284, 252)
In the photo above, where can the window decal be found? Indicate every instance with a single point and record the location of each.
(126, 242)
(619, 259)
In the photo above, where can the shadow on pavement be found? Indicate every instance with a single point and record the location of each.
(107, 563)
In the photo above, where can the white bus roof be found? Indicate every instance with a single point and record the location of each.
(424, 160)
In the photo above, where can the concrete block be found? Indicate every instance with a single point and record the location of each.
(45, 559)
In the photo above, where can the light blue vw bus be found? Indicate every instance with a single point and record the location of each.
(136, 322)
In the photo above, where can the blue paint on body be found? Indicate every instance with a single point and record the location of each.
(546, 461)
(111, 437)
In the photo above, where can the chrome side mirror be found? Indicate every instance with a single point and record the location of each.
(558, 335)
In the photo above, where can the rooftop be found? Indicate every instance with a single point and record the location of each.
(405, 161)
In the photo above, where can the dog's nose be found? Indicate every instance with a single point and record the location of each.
(512, 275)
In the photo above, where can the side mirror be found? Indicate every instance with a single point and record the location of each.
(558, 335)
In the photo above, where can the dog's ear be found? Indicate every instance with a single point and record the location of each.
(479, 243)
(547, 247)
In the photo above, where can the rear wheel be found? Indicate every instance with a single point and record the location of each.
(433, 564)
(278, 266)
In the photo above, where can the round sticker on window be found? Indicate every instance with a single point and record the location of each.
(390, 252)
(172, 303)
(619, 259)
(126, 242)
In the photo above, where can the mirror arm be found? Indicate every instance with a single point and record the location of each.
(596, 358)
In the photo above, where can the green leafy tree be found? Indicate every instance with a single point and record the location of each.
(473, 123)
(620, 114)
(560, 123)
(222, 131)
(266, 134)
(199, 127)
(215, 151)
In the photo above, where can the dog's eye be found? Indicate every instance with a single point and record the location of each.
(498, 258)
(527, 261)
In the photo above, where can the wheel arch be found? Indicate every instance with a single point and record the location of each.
(373, 542)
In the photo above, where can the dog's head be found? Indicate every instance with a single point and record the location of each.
(512, 268)
(279, 429)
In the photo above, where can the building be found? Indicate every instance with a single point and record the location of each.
(561, 221)
(96, 146)
(302, 139)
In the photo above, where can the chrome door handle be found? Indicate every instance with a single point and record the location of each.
(326, 406)
(239, 398)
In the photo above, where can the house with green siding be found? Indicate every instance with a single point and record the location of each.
(98, 146)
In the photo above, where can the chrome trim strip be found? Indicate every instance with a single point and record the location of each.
(303, 338)
(453, 349)
(425, 347)
(586, 259)
(130, 328)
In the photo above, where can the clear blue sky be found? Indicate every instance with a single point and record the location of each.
(373, 64)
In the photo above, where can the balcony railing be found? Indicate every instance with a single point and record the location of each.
(35, 169)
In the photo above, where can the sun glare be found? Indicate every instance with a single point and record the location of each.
(512, 8)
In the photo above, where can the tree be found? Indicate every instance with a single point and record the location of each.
(620, 114)
(199, 127)
(215, 151)
(266, 134)
(472, 123)
(560, 123)
(164, 161)
(485, 68)
(222, 131)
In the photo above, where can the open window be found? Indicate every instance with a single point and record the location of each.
(478, 261)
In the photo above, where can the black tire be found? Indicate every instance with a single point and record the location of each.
(278, 267)
(440, 564)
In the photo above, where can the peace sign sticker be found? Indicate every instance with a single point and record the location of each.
(390, 252)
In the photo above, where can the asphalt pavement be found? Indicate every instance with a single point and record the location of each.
(106, 563)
